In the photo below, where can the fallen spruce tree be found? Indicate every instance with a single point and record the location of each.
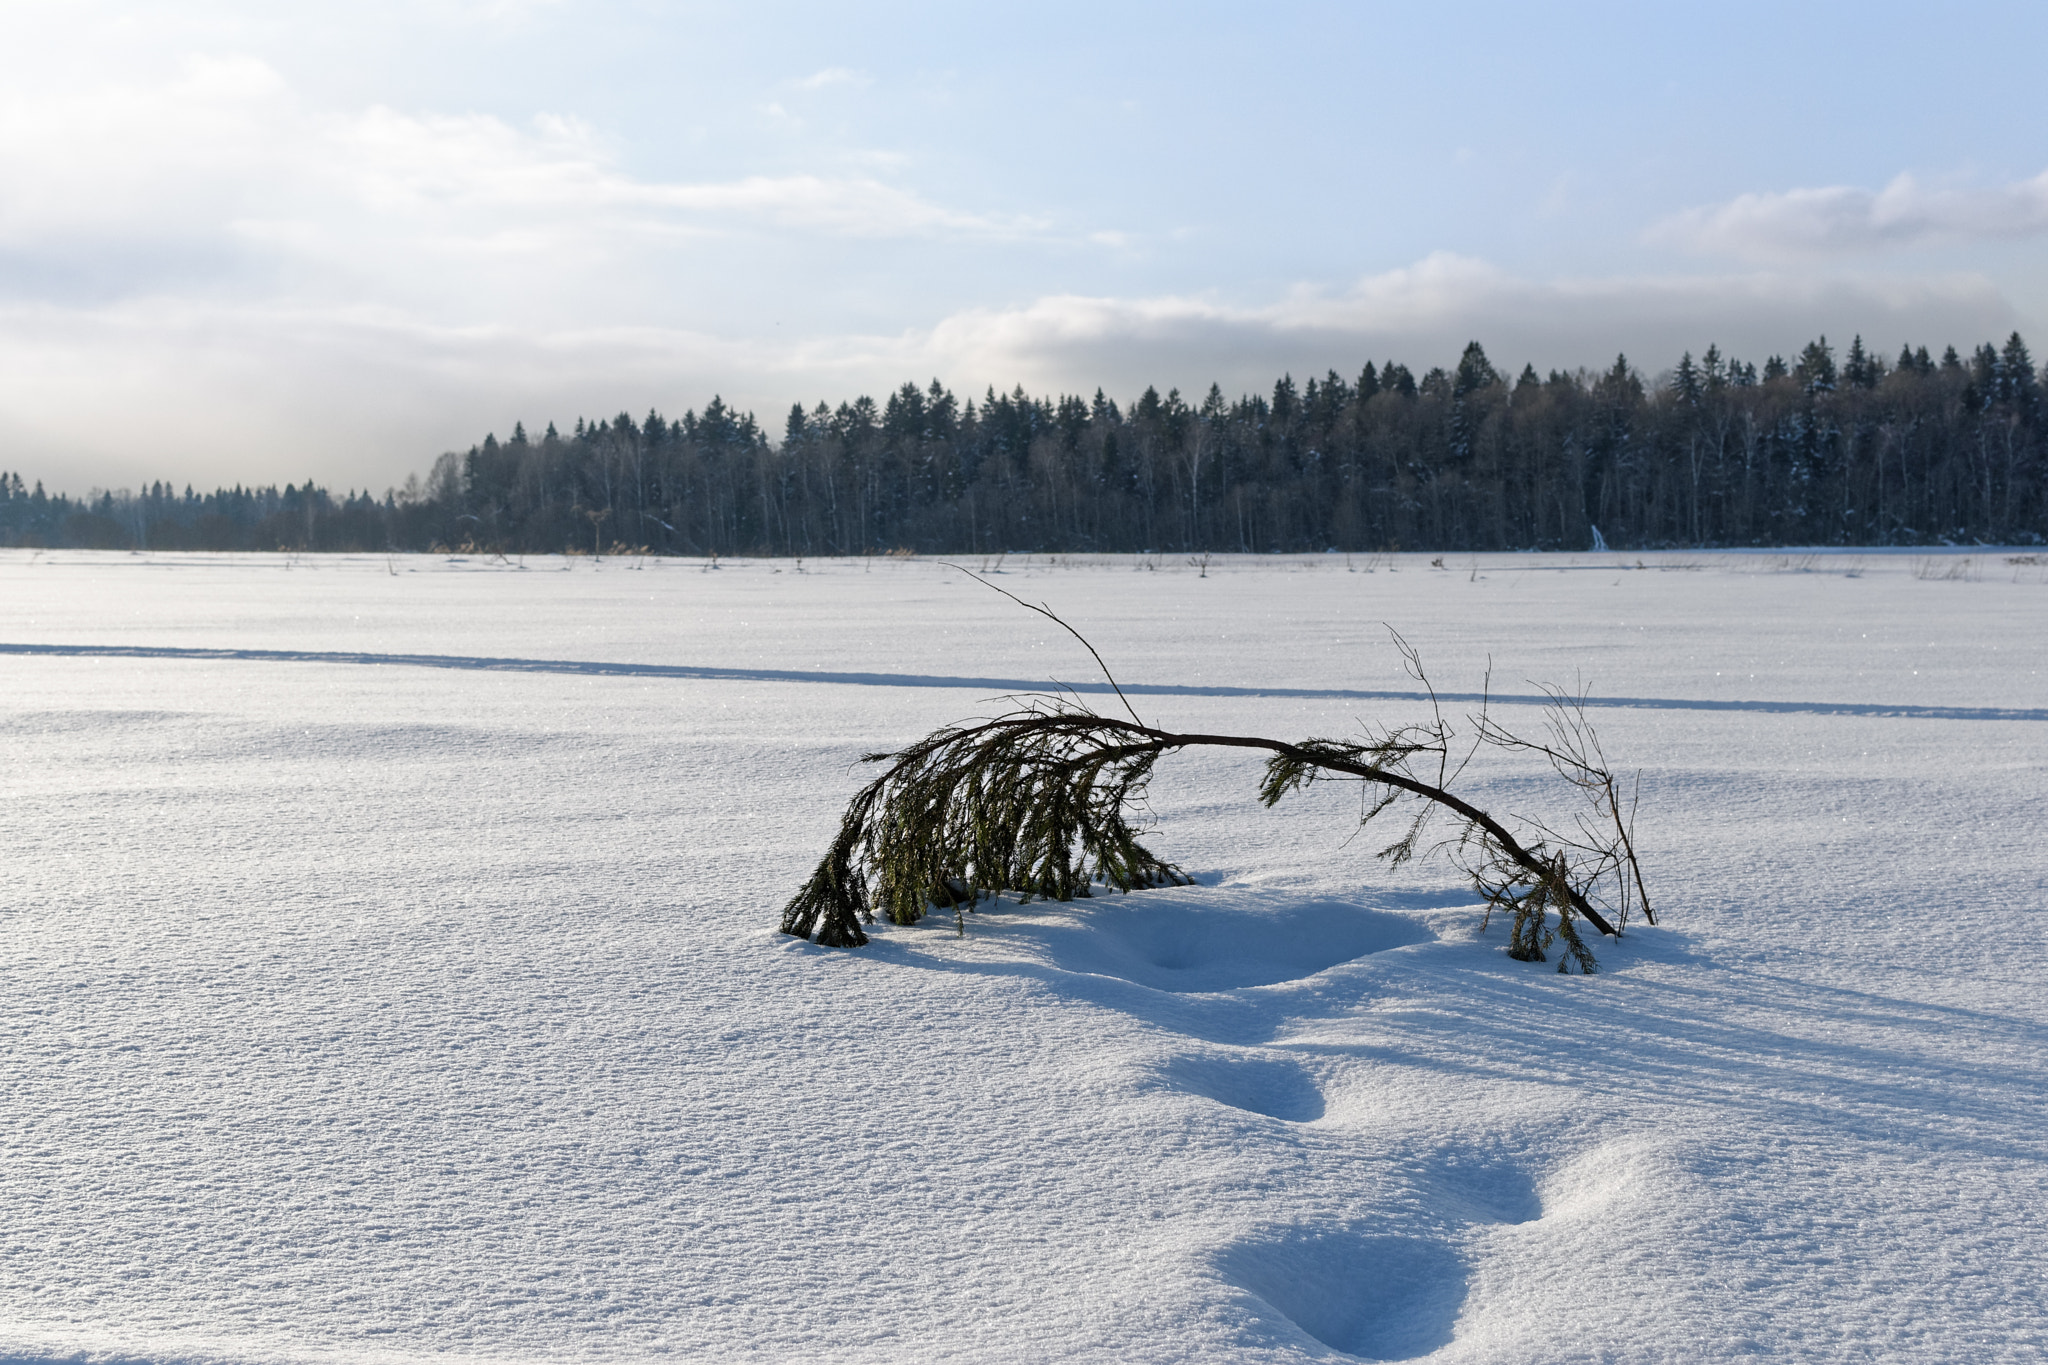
(1039, 801)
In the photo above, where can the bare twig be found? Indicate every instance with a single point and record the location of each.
(1050, 615)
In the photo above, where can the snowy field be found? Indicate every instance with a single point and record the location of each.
(390, 973)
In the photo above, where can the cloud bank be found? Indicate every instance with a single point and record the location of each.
(221, 171)
(271, 391)
(1808, 224)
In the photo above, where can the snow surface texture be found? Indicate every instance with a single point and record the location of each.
(366, 1006)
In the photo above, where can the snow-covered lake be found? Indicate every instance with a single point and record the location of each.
(388, 972)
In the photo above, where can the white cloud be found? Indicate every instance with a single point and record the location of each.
(412, 165)
(137, 159)
(1818, 223)
(831, 76)
(223, 159)
(1425, 313)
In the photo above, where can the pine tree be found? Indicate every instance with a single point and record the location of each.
(1711, 369)
(1685, 381)
(1987, 377)
(1622, 381)
(2018, 380)
(1815, 371)
(1475, 371)
(1858, 370)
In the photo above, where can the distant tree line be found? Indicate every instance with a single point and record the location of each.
(1917, 450)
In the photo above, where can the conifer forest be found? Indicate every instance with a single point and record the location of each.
(1855, 449)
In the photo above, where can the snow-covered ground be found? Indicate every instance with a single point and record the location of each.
(388, 972)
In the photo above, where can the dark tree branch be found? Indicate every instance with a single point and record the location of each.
(1039, 802)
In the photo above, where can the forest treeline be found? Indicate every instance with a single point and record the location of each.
(1855, 451)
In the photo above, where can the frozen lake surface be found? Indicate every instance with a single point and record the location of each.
(390, 973)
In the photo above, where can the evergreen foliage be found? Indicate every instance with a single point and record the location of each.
(1716, 452)
(1039, 801)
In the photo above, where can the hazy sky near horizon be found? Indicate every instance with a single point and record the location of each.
(248, 242)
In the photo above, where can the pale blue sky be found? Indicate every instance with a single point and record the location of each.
(254, 242)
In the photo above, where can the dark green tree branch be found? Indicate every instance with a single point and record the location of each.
(1039, 802)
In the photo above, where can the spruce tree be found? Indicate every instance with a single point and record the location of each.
(1857, 368)
(1474, 371)
(1685, 381)
(1815, 371)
